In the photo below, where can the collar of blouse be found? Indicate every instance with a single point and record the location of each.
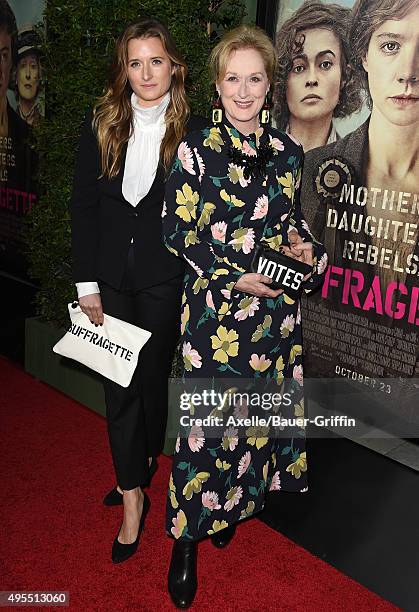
(239, 140)
(152, 116)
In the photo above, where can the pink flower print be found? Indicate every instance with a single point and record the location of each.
(185, 157)
(259, 364)
(275, 483)
(247, 308)
(298, 317)
(322, 264)
(244, 464)
(164, 210)
(287, 326)
(243, 239)
(230, 439)
(201, 164)
(179, 524)
(261, 208)
(233, 497)
(276, 144)
(218, 231)
(249, 241)
(191, 357)
(297, 374)
(210, 500)
(247, 149)
(196, 438)
(209, 300)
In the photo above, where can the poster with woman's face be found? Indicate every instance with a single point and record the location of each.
(350, 94)
(21, 108)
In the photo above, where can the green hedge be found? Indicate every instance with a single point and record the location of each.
(77, 51)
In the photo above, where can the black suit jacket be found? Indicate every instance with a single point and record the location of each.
(103, 223)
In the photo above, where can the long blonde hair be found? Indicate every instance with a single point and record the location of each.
(112, 113)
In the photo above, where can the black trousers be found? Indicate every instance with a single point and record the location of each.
(137, 415)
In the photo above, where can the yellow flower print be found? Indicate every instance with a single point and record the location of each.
(224, 310)
(217, 526)
(200, 283)
(205, 215)
(172, 250)
(288, 185)
(172, 493)
(232, 264)
(299, 413)
(273, 456)
(265, 471)
(257, 436)
(279, 366)
(248, 511)
(262, 329)
(219, 272)
(296, 350)
(275, 242)
(191, 238)
(222, 465)
(298, 466)
(184, 318)
(225, 345)
(236, 175)
(299, 408)
(188, 200)
(288, 300)
(214, 140)
(236, 142)
(195, 485)
(231, 199)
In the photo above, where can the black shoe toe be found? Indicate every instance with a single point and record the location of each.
(220, 539)
(182, 578)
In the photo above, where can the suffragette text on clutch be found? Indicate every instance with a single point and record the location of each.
(86, 334)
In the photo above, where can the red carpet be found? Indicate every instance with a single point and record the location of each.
(56, 535)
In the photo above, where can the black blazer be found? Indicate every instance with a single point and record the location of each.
(103, 222)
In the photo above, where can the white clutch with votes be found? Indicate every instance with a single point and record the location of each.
(111, 349)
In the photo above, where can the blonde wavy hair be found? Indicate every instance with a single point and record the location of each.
(113, 114)
(243, 37)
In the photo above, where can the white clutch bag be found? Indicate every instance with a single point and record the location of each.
(111, 349)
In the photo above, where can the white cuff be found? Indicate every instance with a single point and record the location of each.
(86, 289)
(292, 229)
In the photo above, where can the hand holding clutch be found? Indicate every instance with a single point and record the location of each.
(299, 250)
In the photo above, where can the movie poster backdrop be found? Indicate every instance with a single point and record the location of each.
(363, 325)
(21, 108)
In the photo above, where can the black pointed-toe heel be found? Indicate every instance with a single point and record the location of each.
(122, 552)
(114, 497)
(220, 539)
(182, 578)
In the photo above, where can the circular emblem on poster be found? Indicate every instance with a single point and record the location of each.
(331, 176)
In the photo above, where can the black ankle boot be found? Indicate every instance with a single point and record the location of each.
(182, 579)
(223, 537)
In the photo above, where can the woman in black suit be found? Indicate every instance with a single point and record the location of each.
(120, 264)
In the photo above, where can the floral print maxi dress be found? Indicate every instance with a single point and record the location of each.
(214, 214)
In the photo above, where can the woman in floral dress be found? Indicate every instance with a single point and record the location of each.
(233, 185)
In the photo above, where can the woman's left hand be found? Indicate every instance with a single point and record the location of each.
(300, 250)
